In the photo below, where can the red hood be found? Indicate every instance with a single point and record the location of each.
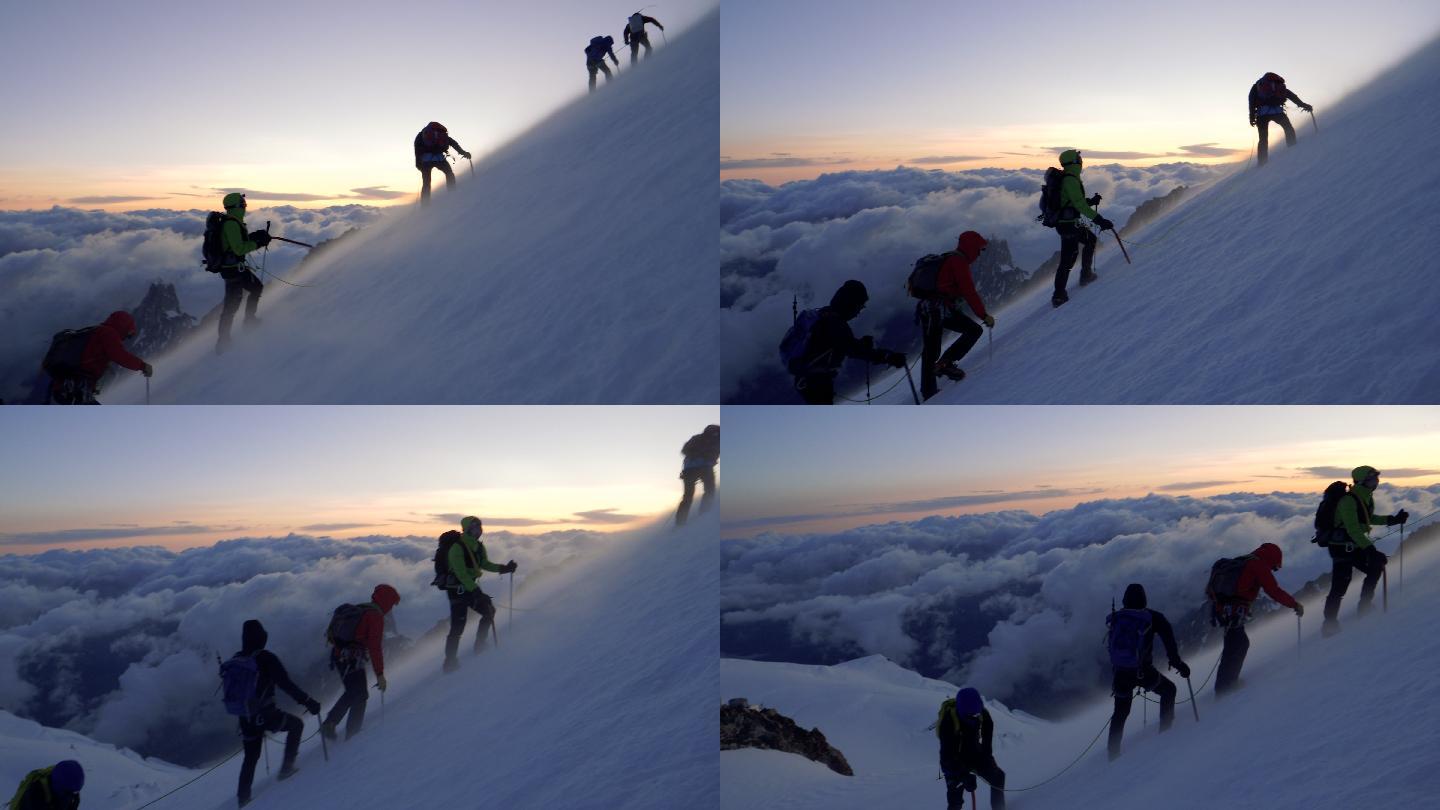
(1269, 553)
(385, 597)
(971, 243)
(121, 322)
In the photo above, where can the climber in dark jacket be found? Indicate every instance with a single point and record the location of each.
(1149, 624)
(967, 735)
(831, 341)
(268, 717)
(702, 453)
(1267, 103)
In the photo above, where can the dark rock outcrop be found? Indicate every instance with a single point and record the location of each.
(745, 726)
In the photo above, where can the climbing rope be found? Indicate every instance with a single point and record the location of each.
(868, 400)
(211, 769)
(1062, 770)
(1187, 700)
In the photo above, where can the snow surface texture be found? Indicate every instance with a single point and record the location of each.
(602, 696)
(577, 265)
(114, 777)
(1311, 280)
(1341, 724)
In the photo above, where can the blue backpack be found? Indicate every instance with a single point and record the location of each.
(796, 340)
(1126, 640)
(239, 679)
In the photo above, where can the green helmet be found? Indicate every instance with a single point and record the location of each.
(472, 522)
(1070, 156)
(234, 200)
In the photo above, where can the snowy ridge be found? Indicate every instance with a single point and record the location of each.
(1306, 281)
(577, 265)
(114, 777)
(1340, 724)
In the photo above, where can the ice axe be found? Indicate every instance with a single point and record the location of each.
(1122, 245)
(511, 625)
(1193, 707)
(291, 241)
(324, 747)
(911, 378)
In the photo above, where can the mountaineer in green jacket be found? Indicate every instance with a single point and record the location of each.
(239, 278)
(466, 560)
(1354, 515)
(1075, 236)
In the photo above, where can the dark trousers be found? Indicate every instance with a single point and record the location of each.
(704, 475)
(636, 40)
(597, 65)
(238, 281)
(1123, 687)
(1371, 562)
(956, 783)
(72, 391)
(934, 319)
(1232, 658)
(1262, 123)
(429, 166)
(252, 736)
(352, 674)
(1075, 240)
(816, 389)
(460, 606)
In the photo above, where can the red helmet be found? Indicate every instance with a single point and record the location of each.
(385, 597)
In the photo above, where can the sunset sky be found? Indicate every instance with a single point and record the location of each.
(826, 85)
(187, 476)
(159, 104)
(825, 469)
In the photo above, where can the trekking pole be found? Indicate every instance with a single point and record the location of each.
(1297, 635)
(495, 634)
(147, 390)
(1312, 121)
(265, 746)
(1401, 584)
(292, 241)
(973, 800)
(1384, 591)
(990, 342)
(1122, 245)
(1192, 698)
(472, 168)
(867, 383)
(325, 748)
(911, 378)
(511, 625)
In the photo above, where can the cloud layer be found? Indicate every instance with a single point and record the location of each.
(805, 238)
(120, 644)
(65, 267)
(1010, 602)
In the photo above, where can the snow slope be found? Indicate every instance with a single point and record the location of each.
(114, 777)
(1345, 723)
(577, 265)
(601, 696)
(1308, 281)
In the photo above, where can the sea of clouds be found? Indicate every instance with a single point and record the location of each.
(120, 644)
(65, 268)
(805, 238)
(1010, 602)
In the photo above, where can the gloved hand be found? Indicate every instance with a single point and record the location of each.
(380, 682)
(1095, 200)
(1104, 224)
(895, 359)
(661, 27)
(616, 61)
(1307, 108)
(1299, 609)
(148, 370)
(313, 706)
(1252, 120)
(466, 154)
(260, 238)
(509, 568)
(1398, 518)
(1181, 667)
(989, 320)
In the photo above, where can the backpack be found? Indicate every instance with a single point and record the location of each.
(947, 712)
(1126, 638)
(435, 138)
(67, 350)
(443, 577)
(343, 624)
(797, 340)
(1050, 197)
(41, 775)
(1270, 88)
(212, 248)
(239, 680)
(637, 23)
(924, 281)
(1326, 532)
(1224, 583)
(597, 48)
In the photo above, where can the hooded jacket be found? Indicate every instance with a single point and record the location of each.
(965, 742)
(599, 48)
(831, 340)
(370, 630)
(954, 280)
(467, 560)
(233, 236)
(1356, 519)
(1259, 573)
(703, 449)
(1135, 599)
(106, 345)
(271, 672)
(1072, 190)
(36, 793)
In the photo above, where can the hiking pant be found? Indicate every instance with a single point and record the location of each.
(1123, 688)
(352, 674)
(1371, 562)
(425, 169)
(816, 389)
(705, 475)
(252, 736)
(1262, 123)
(598, 64)
(72, 391)
(1075, 240)
(238, 281)
(959, 780)
(460, 606)
(934, 319)
(1232, 658)
(636, 40)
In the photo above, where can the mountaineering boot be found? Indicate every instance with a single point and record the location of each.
(287, 770)
(1059, 298)
(451, 664)
(327, 730)
(950, 371)
(1088, 278)
(1330, 628)
(244, 801)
